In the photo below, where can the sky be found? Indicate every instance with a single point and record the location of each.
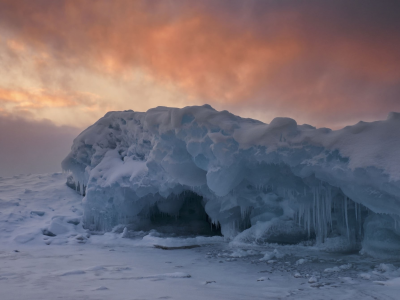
(64, 64)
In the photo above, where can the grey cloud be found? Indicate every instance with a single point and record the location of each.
(32, 146)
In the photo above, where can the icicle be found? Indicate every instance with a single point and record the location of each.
(355, 209)
(314, 220)
(330, 214)
(318, 213)
(347, 221)
(324, 221)
(299, 213)
(359, 219)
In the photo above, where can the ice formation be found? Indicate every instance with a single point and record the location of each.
(255, 182)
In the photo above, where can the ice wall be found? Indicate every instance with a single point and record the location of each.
(277, 182)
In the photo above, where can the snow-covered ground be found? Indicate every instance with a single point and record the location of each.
(76, 264)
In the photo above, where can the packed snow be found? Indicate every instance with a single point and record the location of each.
(185, 171)
(76, 263)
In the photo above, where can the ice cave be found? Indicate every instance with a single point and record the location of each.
(198, 171)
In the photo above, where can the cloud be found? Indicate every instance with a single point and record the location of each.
(39, 98)
(75, 108)
(323, 63)
(32, 146)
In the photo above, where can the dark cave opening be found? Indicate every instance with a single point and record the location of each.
(191, 220)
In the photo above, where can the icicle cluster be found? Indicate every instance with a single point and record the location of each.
(327, 213)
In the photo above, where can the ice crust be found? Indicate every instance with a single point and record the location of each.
(279, 182)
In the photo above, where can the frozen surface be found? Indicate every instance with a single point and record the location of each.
(75, 264)
(254, 182)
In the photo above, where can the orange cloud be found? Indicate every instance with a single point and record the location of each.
(16, 45)
(319, 62)
(40, 98)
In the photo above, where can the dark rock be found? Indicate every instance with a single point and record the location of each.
(48, 233)
(74, 221)
(37, 212)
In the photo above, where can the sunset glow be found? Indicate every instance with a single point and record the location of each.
(327, 65)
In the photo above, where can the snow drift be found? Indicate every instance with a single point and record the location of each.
(259, 183)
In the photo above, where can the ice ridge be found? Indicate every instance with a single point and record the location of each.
(278, 182)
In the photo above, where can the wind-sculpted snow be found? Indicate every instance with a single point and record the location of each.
(279, 182)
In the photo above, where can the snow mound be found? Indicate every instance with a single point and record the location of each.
(50, 213)
(199, 169)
